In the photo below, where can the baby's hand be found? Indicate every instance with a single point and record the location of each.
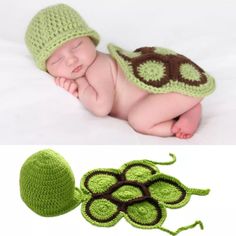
(68, 84)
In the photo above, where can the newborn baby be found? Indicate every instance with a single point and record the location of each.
(158, 91)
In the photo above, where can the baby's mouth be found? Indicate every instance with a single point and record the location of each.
(77, 69)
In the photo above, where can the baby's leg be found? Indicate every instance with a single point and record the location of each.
(155, 113)
(188, 122)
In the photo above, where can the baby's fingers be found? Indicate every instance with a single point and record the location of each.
(67, 84)
(62, 81)
(73, 88)
(56, 80)
(75, 94)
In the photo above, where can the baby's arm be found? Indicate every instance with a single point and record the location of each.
(97, 93)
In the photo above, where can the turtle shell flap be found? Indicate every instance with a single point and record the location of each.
(161, 70)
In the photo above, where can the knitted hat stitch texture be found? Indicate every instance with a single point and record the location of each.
(47, 184)
(53, 26)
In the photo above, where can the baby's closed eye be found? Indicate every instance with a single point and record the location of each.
(54, 61)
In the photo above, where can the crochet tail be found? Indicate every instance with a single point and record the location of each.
(200, 192)
(182, 228)
(173, 160)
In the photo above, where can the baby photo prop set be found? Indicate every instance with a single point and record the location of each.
(137, 191)
(154, 69)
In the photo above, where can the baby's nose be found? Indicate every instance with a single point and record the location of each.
(71, 60)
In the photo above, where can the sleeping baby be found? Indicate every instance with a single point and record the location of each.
(157, 90)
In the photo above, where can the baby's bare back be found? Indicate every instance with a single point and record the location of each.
(127, 95)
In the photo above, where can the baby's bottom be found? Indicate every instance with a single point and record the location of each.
(156, 115)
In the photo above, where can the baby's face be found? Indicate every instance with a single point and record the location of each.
(72, 59)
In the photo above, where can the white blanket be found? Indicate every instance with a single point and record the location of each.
(33, 110)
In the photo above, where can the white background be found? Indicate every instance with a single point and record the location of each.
(35, 111)
(197, 166)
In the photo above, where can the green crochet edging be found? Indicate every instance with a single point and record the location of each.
(165, 51)
(137, 191)
(172, 86)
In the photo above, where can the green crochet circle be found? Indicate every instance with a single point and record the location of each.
(138, 173)
(189, 72)
(101, 182)
(152, 70)
(164, 192)
(164, 51)
(126, 193)
(102, 209)
(143, 212)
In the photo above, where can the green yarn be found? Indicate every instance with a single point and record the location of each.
(170, 191)
(131, 54)
(137, 191)
(161, 70)
(189, 72)
(96, 183)
(103, 209)
(100, 183)
(141, 194)
(164, 51)
(53, 26)
(165, 192)
(127, 193)
(152, 70)
(47, 184)
(138, 173)
(142, 213)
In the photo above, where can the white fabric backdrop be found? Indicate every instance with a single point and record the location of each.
(34, 111)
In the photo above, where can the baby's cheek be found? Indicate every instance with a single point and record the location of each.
(91, 55)
(51, 70)
(57, 71)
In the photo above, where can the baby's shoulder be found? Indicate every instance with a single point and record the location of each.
(103, 65)
(104, 59)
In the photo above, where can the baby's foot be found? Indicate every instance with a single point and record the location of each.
(187, 123)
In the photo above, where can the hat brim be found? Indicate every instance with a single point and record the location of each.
(58, 41)
(76, 200)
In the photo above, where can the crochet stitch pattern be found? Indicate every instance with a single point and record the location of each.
(52, 27)
(47, 184)
(137, 191)
(161, 70)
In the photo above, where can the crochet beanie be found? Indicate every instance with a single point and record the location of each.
(53, 26)
(47, 184)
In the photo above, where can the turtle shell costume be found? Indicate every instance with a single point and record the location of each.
(161, 70)
(137, 191)
(154, 69)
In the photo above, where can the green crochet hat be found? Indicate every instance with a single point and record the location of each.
(52, 27)
(47, 184)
